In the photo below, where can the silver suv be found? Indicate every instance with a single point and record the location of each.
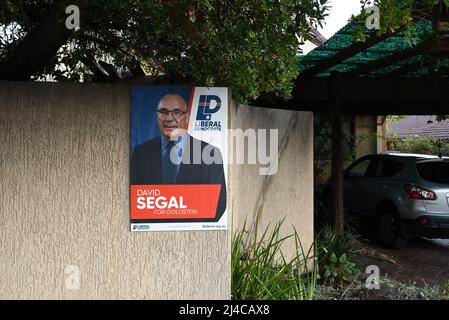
(406, 194)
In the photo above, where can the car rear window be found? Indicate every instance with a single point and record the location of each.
(385, 168)
(392, 168)
(434, 171)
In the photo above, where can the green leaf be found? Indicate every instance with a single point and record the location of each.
(334, 258)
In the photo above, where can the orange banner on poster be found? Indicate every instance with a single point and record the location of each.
(178, 201)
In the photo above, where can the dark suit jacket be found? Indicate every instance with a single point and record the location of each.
(146, 168)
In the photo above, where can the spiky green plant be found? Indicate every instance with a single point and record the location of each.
(260, 271)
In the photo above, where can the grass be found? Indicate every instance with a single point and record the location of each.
(390, 289)
(260, 271)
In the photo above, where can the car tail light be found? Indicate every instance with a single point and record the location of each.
(424, 220)
(415, 192)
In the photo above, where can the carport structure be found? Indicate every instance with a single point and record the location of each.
(405, 72)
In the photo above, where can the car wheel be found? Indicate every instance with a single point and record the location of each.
(389, 229)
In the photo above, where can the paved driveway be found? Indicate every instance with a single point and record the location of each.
(422, 261)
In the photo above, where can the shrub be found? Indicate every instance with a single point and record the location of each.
(422, 145)
(334, 256)
(260, 270)
(340, 269)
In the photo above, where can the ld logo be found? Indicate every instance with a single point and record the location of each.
(207, 106)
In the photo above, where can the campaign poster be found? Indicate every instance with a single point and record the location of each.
(178, 165)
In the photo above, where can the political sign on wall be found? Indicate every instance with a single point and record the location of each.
(179, 159)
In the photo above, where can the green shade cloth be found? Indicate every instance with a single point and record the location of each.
(420, 32)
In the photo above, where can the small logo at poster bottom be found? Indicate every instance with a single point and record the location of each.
(140, 227)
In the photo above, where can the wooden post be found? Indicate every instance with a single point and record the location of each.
(440, 21)
(337, 158)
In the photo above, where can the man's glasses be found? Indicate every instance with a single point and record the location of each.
(176, 114)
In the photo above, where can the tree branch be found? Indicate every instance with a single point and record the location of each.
(38, 47)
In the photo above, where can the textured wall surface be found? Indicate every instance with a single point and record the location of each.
(64, 180)
(288, 194)
(365, 127)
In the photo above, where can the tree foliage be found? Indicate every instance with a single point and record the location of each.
(395, 15)
(250, 45)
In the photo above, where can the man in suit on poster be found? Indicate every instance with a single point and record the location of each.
(175, 157)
